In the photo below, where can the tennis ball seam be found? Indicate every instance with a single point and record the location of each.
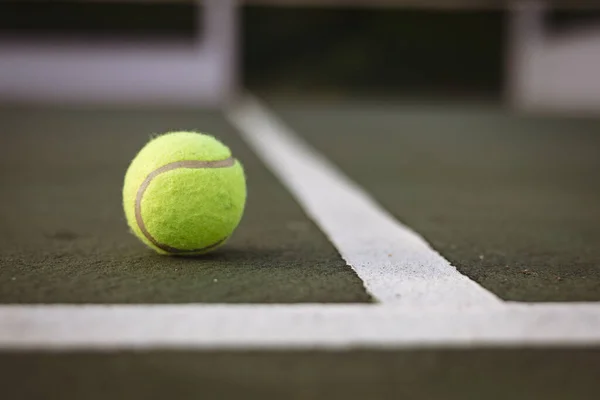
(191, 164)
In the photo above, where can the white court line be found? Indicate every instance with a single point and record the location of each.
(396, 264)
(312, 326)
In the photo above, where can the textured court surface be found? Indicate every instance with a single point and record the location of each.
(490, 374)
(64, 237)
(511, 201)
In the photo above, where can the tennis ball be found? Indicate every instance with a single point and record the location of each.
(184, 193)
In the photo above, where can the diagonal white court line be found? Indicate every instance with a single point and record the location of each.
(310, 326)
(396, 265)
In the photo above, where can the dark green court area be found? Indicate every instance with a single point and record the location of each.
(63, 237)
(519, 374)
(513, 201)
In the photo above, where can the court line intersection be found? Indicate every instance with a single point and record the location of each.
(421, 300)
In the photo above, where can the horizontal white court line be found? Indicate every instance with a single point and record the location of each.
(311, 326)
(396, 265)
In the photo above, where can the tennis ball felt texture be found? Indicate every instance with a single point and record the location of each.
(184, 193)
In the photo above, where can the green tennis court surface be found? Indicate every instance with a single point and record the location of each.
(511, 201)
(65, 239)
(491, 374)
(417, 125)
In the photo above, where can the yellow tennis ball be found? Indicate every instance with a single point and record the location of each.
(184, 193)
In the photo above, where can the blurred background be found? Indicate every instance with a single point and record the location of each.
(524, 54)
